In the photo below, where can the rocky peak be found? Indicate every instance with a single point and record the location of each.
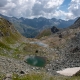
(76, 24)
(54, 29)
(77, 21)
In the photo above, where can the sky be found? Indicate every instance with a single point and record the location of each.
(60, 9)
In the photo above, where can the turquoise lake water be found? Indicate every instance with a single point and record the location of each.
(36, 61)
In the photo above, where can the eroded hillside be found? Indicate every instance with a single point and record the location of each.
(59, 50)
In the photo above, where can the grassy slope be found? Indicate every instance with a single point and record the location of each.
(42, 76)
(11, 45)
(46, 32)
(9, 37)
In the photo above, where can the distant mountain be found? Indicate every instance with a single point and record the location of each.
(31, 27)
(24, 29)
(76, 24)
(42, 23)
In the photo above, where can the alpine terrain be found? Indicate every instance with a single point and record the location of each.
(38, 58)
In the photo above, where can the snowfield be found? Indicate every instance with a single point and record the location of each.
(69, 71)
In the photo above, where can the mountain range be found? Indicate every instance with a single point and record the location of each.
(32, 27)
(60, 49)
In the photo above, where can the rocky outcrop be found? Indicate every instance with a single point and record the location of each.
(8, 65)
(54, 29)
(77, 73)
(76, 24)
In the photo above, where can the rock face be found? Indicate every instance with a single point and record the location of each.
(76, 24)
(54, 29)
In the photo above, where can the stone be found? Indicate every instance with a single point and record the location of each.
(22, 72)
(36, 51)
(54, 29)
(1, 34)
(8, 75)
(77, 73)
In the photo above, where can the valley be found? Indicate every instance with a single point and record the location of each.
(58, 50)
(30, 28)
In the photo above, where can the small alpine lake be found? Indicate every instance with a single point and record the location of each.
(37, 61)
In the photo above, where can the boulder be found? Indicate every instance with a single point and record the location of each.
(54, 29)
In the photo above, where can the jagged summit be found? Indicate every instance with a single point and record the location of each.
(77, 21)
(54, 29)
(76, 24)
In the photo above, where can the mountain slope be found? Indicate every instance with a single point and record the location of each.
(31, 27)
(61, 50)
(15, 49)
(47, 32)
(24, 29)
(67, 47)
(10, 38)
(8, 33)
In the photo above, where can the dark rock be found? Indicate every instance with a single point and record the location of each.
(60, 35)
(76, 49)
(1, 34)
(36, 51)
(22, 72)
(76, 24)
(54, 29)
(77, 73)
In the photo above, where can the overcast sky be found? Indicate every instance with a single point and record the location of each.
(61, 9)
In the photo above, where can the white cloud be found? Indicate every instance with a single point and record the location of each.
(53, 3)
(29, 8)
(46, 8)
(3, 3)
(37, 8)
(74, 9)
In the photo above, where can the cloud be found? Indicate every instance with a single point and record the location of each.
(3, 3)
(73, 10)
(46, 8)
(37, 8)
(29, 8)
(18, 8)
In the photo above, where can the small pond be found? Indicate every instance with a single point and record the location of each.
(36, 61)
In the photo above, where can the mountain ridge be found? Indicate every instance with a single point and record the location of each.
(60, 49)
(31, 27)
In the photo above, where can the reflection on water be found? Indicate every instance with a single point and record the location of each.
(36, 61)
(40, 43)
